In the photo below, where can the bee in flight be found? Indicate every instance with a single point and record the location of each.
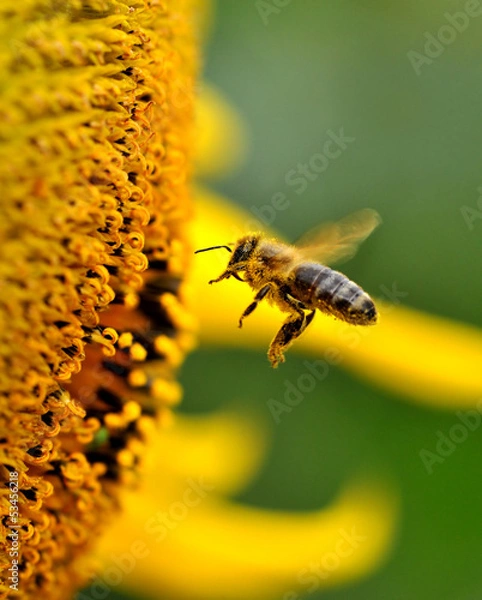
(291, 277)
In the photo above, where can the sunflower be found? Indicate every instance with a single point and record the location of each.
(95, 141)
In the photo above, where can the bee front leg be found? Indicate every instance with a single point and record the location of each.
(224, 275)
(233, 272)
(309, 318)
(292, 328)
(259, 296)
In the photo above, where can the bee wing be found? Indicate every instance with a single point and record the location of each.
(331, 242)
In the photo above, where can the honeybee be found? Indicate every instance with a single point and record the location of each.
(291, 277)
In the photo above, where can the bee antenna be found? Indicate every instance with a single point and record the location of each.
(213, 248)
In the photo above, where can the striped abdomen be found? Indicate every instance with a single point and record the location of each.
(332, 292)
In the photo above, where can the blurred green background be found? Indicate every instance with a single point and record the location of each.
(315, 67)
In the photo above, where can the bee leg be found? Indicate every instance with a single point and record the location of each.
(292, 328)
(309, 318)
(259, 296)
(224, 275)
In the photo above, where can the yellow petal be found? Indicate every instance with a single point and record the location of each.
(221, 142)
(181, 539)
(430, 359)
(217, 550)
(225, 448)
(232, 552)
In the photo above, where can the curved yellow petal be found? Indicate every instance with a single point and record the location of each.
(210, 549)
(225, 448)
(221, 141)
(427, 358)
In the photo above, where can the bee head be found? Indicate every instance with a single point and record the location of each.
(241, 252)
(243, 249)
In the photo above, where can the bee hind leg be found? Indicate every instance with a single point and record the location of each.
(259, 296)
(291, 329)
